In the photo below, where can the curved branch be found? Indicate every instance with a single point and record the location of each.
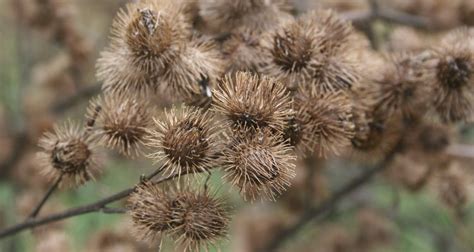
(98, 206)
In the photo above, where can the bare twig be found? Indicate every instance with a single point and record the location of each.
(98, 206)
(94, 207)
(46, 197)
(110, 210)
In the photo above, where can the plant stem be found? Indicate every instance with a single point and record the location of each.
(98, 206)
(45, 198)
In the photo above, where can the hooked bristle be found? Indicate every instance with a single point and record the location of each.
(187, 141)
(250, 101)
(405, 89)
(195, 219)
(312, 52)
(122, 122)
(330, 120)
(69, 153)
(146, 38)
(259, 164)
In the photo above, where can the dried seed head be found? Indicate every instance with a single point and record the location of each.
(242, 49)
(150, 36)
(250, 101)
(186, 140)
(152, 211)
(121, 121)
(195, 70)
(428, 138)
(336, 30)
(146, 37)
(405, 89)
(194, 219)
(259, 164)
(69, 152)
(377, 138)
(313, 51)
(330, 120)
(226, 15)
(454, 78)
(375, 135)
(118, 76)
(202, 220)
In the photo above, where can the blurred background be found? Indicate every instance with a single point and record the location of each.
(48, 50)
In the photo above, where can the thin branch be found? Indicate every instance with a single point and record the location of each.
(110, 210)
(326, 206)
(94, 207)
(156, 172)
(97, 206)
(46, 197)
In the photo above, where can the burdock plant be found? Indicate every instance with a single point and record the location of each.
(260, 93)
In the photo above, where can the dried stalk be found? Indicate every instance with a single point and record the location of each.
(45, 198)
(98, 206)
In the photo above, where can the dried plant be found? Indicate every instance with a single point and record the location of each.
(250, 101)
(121, 121)
(312, 51)
(195, 219)
(187, 141)
(259, 164)
(454, 78)
(330, 121)
(203, 220)
(243, 51)
(68, 153)
(253, 92)
(145, 38)
(405, 89)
